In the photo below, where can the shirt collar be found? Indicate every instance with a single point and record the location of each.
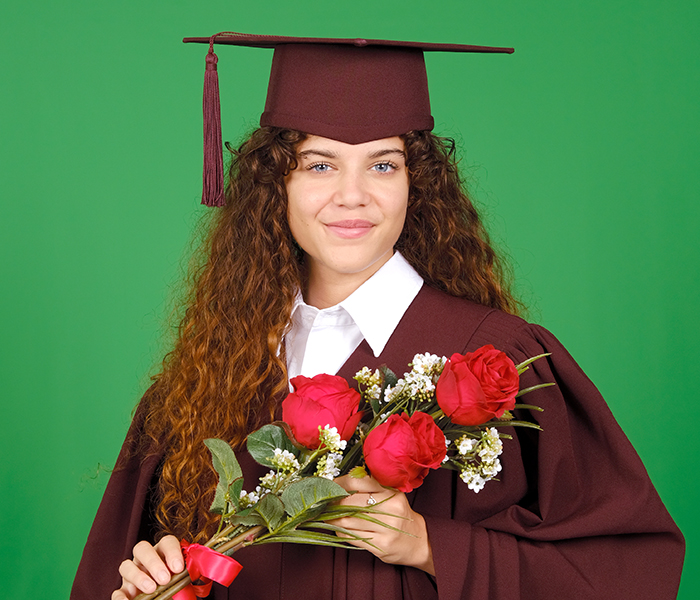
(379, 303)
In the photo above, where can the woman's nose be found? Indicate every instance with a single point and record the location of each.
(352, 190)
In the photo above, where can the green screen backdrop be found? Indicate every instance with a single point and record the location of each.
(581, 149)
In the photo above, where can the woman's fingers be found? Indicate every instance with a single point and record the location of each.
(151, 562)
(133, 575)
(170, 550)
(161, 560)
(365, 491)
(150, 567)
(126, 592)
(120, 594)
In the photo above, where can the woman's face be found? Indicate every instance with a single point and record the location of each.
(347, 205)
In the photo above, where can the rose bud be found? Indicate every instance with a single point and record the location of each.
(319, 401)
(400, 452)
(477, 387)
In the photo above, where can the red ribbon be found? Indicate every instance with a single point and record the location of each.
(206, 565)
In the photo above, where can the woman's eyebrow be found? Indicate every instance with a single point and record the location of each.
(330, 154)
(385, 151)
(317, 152)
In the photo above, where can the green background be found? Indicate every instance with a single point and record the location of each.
(582, 149)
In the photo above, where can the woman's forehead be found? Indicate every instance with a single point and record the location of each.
(315, 144)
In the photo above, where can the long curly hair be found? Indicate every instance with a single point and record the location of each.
(226, 375)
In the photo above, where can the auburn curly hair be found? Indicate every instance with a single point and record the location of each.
(225, 376)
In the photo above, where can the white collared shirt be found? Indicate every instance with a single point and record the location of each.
(320, 341)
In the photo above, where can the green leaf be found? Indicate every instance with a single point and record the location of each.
(234, 492)
(330, 540)
(453, 431)
(449, 464)
(524, 365)
(308, 493)
(271, 509)
(224, 461)
(230, 474)
(339, 511)
(333, 511)
(336, 530)
(347, 532)
(530, 407)
(262, 443)
(218, 506)
(330, 515)
(507, 416)
(366, 517)
(388, 377)
(304, 517)
(288, 431)
(246, 520)
(511, 424)
(305, 537)
(315, 525)
(532, 389)
(358, 472)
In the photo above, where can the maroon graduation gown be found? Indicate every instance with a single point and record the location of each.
(573, 516)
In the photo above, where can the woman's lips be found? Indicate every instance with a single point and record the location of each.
(350, 228)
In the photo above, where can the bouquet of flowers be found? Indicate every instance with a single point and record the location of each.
(442, 413)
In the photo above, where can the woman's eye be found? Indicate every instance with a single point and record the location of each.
(385, 167)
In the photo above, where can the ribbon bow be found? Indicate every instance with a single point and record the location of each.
(206, 565)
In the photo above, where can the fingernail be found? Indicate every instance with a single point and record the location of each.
(178, 565)
(148, 586)
(163, 577)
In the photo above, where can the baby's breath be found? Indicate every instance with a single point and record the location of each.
(491, 445)
(477, 459)
(328, 465)
(330, 438)
(419, 383)
(374, 392)
(465, 445)
(284, 460)
(491, 469)
(269, 481)
(428, 364)
(471, 476)
(372, 381)
(248, 499)
(391, 393)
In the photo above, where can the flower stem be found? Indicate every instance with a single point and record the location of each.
(219, 534)
(241, 540)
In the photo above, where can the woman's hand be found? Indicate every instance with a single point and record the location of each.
(151, 566)
(409, 546)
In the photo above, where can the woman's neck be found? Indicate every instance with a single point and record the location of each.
(327, 288)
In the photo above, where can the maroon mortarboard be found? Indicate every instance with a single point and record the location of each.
(351, 90)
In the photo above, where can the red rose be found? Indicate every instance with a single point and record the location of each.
(400, 452)
(478, 386)
(322, 400)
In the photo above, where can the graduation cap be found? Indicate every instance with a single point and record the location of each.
(350, 90)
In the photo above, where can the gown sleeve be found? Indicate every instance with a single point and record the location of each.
(123, 519)
(588, 523)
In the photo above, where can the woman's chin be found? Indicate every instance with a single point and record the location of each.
(351, 264)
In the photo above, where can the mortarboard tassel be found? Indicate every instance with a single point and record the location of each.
(213, 189)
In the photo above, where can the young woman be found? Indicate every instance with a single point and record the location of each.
(347, 240)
